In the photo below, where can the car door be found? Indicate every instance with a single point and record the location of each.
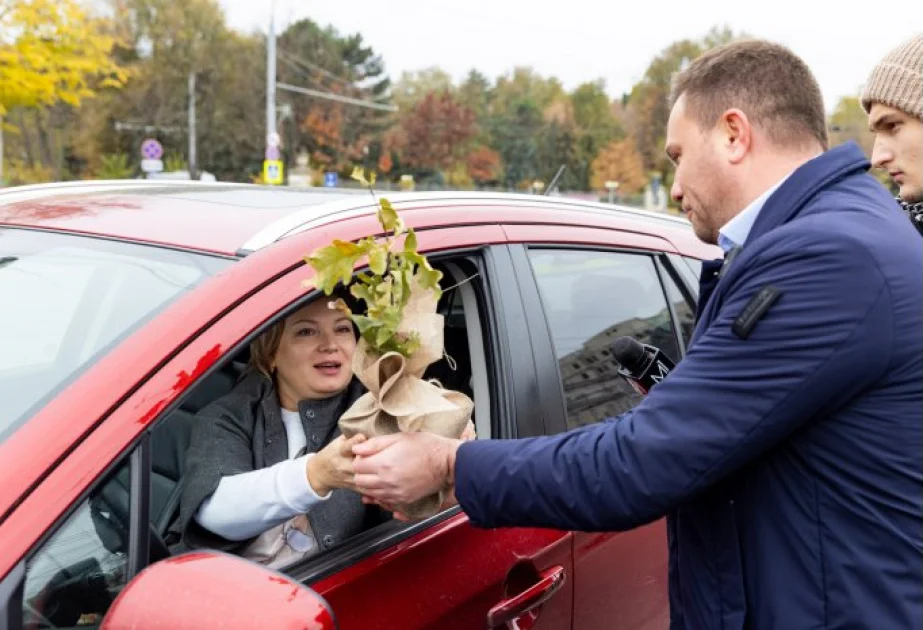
(445, 573)
(442, 573)
(595, 285)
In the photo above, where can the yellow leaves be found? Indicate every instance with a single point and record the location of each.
(389, 218)
(52, 51)
(358, 174)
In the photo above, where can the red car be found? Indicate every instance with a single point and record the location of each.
(128, 306)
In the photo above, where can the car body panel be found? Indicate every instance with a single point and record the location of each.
(449, 576)
(225, 218)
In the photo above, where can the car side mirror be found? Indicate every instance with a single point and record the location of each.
(210, 590)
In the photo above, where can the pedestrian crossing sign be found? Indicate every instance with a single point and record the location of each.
(272, 172)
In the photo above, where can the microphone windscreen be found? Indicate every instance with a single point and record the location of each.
(630, 353)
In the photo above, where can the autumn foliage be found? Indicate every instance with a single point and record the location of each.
(484, 165)
(134, 61)
(51, 51)
(619, 161)
(438, 132)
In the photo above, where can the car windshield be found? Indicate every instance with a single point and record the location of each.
(67, 300)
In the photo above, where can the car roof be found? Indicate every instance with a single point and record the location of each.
(236, 219)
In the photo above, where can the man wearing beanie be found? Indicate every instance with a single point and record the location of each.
(893, 99)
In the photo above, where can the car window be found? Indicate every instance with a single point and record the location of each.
(685, 314)
(67, 299)
(463, 368)
(695, 266)
(75, 575)
(590, 299)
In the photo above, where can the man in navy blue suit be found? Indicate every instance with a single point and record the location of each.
(786, 449)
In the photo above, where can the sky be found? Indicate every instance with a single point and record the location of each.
(585, 40)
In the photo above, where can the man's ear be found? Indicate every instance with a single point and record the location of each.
(736, 134)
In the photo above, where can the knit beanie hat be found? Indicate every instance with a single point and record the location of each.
(898, 80)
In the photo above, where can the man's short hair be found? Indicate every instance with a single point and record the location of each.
(767, 81)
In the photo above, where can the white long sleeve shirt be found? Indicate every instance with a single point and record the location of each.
(248, 504)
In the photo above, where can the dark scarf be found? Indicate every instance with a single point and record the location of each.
(915, 212)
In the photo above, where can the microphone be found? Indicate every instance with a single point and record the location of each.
(643, 366)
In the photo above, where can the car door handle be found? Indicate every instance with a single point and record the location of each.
(509, 609)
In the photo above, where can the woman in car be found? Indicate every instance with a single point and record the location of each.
(267, 472)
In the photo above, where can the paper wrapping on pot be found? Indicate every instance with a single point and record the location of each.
(398, 399)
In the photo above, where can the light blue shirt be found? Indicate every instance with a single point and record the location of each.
(735, 232)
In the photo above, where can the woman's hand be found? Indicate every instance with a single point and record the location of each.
(332, 466)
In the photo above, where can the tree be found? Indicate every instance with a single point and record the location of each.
(163, 42)
(559, 146)
(53, 56)
(525, 84)
(850, 122)
(648, 103)
(475, 93)
(438, 132)
(516, 135)
(619, 161)
(52, 51)
(484, 165)
(596, 126)
(593, 110)
(412, 87)
(325, 60)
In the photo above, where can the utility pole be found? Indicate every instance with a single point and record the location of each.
(193, 166)
(271, 74)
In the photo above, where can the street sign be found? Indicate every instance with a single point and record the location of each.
(330, 179)
(273, 153)
(151, 166)
(272, 172)
(151, 150)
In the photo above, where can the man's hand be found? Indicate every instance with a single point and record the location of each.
(404, 467)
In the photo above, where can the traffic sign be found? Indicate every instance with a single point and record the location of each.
(330, 179)
(273, 153)
(152, 166)
(272, 172)
(151, 149)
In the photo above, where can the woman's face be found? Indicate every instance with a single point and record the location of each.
(314, 355)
